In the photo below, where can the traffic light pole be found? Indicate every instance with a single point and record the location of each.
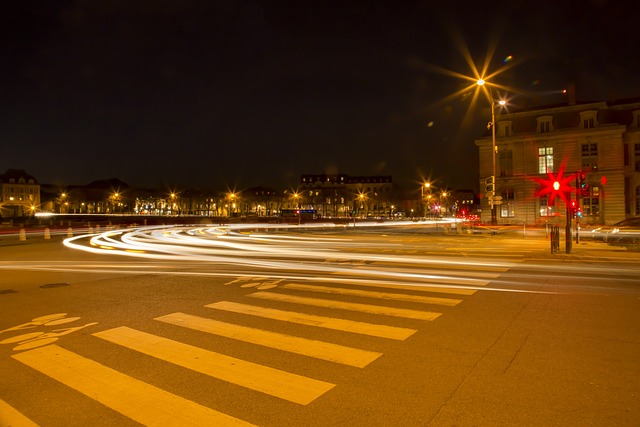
(494, 220)
(579, 179)
(568, 237)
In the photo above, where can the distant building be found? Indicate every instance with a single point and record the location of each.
(599, 139)
(19, 194)
(340, 195)
(105, 196)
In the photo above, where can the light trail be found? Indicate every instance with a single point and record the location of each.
(272, 251)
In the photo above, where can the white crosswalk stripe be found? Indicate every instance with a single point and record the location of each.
(376, 330)
(136, 399)
(365, 308)
(284, 385)
(313, 348)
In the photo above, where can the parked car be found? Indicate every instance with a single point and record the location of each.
(624, 233)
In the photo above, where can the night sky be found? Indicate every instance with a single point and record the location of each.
(214, 94)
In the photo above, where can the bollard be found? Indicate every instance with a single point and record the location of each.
(47, 233)
(554, 238)
(90, 230)
(23, 234)
(97, 228)
(69, 232)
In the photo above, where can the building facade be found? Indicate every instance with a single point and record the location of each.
(19, 194)
(598, 141)
(340, 195)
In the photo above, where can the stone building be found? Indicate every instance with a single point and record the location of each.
(598, 140)
(19, 194)
(341, 195)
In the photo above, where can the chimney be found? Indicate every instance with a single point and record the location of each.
(571, 94)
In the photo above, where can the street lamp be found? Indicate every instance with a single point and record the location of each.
(494, 149)
(232, 198)
(173, 202)
(361, 199)
(427, 186)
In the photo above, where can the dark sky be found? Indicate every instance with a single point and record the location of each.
(228, 93)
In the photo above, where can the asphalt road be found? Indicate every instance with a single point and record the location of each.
(375, 327)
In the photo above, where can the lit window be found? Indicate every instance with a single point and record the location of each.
(545, 209)
(591, 202)
(545, 159)
(507, 208)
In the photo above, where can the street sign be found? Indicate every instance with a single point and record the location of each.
(497, 202)
(496, 198)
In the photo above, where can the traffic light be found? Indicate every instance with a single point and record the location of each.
(584, 187)
(490, 186)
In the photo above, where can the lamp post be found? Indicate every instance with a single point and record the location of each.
(494, 149)
(426, 185)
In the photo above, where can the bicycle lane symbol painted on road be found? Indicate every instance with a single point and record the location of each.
(39, 339)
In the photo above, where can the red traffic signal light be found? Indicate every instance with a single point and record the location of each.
(583, 186)
(557, 185)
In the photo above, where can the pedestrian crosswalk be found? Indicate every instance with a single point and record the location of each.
(133, 398)
(376, 330)
(326, 307)
(304, 346)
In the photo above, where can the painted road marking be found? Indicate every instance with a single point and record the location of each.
(9, 416)
(313, 348)
(369, 294)
(422, 287)
(365, 308)
(480, 271)
(285, 385)
(133, 398)
(361, 271)
(362, 328)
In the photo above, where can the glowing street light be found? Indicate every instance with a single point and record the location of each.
(494, 149)
(426, 187)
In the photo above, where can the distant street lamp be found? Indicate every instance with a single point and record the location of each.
(173, 197)
(361, 199)
(427, 187)
(62, 200)
(232, 197)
